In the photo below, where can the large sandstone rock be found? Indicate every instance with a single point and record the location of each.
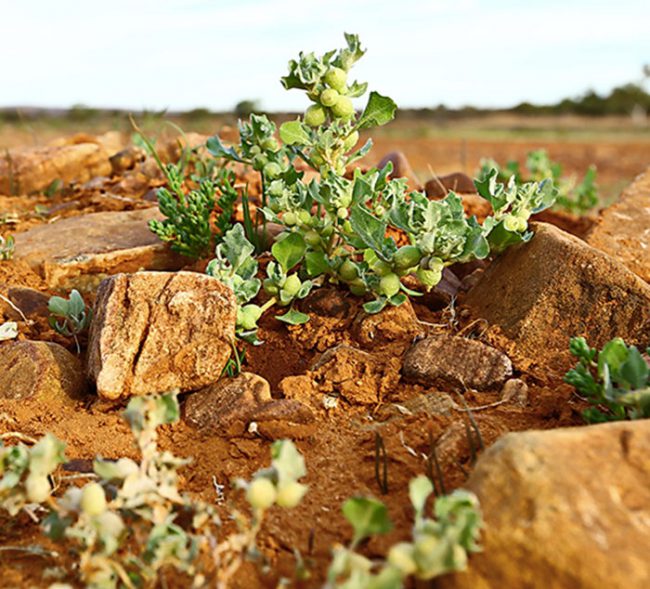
(79, 252)
(456, 361)
(41, 371)
(542, 293)
(440, 186)
(623, 230)
(33, 169)
(153, 332)
(563, 509)
(401, 169)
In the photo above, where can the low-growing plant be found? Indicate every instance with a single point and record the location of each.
(70, 316)
(132, 522)
(7, 247)
(438, 546)
(615, 380)
(575, 197)
(339, 228)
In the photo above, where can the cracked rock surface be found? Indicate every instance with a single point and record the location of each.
(154, 332)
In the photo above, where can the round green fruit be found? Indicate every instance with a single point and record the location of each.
(272, 170)
(312, 238)
(336, 78)
(290, 494)
(358, 291)
(270, 144)
(389, 285)
(351, 141)
(343, 108)
(261, 493)
(407, 256)
(315, 115)
(290, 218)
(304, 217)
(329, 97)
(382, 268)
(348, 271)
(270, 287)
(93, 499)
(249, 316)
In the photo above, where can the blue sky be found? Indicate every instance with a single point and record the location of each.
(181, 54)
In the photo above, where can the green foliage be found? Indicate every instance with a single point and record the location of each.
(578, 198)
(133, 522)
(615, 380)
(70, 316)
(439, 545)
(336, 227)
(7, 247)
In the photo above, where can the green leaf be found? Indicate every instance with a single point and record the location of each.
(370, 229)
(295, 133)
(58, 306)
(287, 461)
(419, 490)
(635, 370)
(373, 307)
(293, 317)
(289, 251)
(379, 111)
(367, 516)
(316, 263)
(217, 149)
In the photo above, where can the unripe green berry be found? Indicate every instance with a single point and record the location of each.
(270, 287)
(261, 493)
(342, 213)
(272, 170)
(343, 108)
(312, 238)
(290, 218)
(290, 494)
(270, 144)
(93, 499)
(348, 271)
(304, 217)
(336, 78)
(351, 141)
(382, 268)
(389, 285)
(357, 290)
(407, 256)
(315, 115)
(329, 97)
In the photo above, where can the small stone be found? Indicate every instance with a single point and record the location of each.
(227, 406)
(563, 508)
(542, 293)
(515, 391)
(456, 361)
(154, 332)
(42, 371)
(284, 418)
(29, 170)
(440, 186)
(79, 252)
(391, 324)
(401, 169)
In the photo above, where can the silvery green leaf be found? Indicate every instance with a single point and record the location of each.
(295, 133)
(293, 317)
(287, 461)
(379, 111)
(367, 516)
(419, 490)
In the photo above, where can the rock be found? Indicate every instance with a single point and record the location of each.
(515, 391)
(542, 293)
(31, 302)
(401, 169)
(391, 324)
(126, 159)
(285, 418)
(328, 302)
(440, 186)
(23, 171)
(357, 376)
(456, 361)
(623, 230)
(42, 371)
(157, 331)
(563, 508)
(79, 252)
(226, 407)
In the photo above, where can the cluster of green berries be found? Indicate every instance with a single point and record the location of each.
(333, 99)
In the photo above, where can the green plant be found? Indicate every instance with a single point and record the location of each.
(70, 316)
(438, 546)
(7, 247)
(335, 228)
(575, 197)
(616, 380)
(132, 522)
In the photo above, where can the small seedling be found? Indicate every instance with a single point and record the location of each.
(615, 380)
(69, 317)
(7, 247)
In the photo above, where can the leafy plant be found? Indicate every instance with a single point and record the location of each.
(575, 197)
(131, 523)
(336, 228)
(69, 317)
(615, 380)
(438, 546)
(7, 247)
